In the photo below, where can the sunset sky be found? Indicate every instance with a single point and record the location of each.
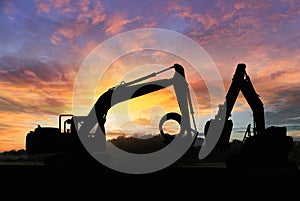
(43, 43)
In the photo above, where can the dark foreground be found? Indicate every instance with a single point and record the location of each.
(55, 175)
(59, 166)
(203, 173)
(184, 181)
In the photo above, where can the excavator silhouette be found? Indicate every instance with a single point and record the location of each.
(265, 147)
(78, 129)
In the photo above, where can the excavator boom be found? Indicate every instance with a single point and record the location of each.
(241, 82)
(131, 90)
(83, 127)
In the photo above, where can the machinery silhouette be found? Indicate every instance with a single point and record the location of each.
(54, 140)
(264, 147)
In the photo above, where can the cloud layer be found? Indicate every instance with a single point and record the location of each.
(44, 42)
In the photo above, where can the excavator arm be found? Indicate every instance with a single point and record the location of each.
(130, 90)
(240, 82)
(255, 104)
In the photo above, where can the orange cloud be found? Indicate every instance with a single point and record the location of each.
(239, 5)
(39, 85)
(150, 24)
(61, 3)
(85, 11)
(142, 121)
(115, 24)
(83, 5)
(42, 7)
(68, 33)
(186, 12)
(63, 6)
(9, 8)
(94, 15)
(55, 39)
(32, 96)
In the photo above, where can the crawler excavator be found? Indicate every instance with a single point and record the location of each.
(261, 148)
(77, 129)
